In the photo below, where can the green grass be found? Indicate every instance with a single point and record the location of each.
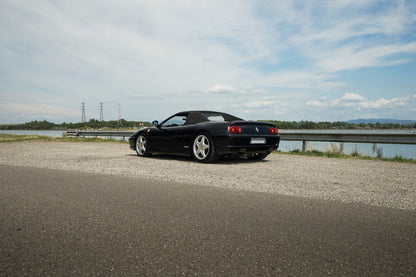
(355, 155)
(12, 138)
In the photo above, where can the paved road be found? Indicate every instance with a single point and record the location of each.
(63, 223)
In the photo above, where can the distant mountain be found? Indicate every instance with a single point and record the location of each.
(381, 120)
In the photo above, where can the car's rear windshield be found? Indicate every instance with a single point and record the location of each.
(219, 117)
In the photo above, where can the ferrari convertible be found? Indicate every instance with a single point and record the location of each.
(206, 136)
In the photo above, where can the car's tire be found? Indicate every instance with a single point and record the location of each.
(142, 146)
(258, 156)
(203, 149)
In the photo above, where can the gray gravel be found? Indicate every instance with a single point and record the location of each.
(348, 180)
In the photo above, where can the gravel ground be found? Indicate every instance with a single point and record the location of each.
(375, 183)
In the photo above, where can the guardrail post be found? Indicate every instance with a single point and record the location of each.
(305, 144)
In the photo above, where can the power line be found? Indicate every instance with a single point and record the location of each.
(83, 112)
(101, 111)
(119, 114)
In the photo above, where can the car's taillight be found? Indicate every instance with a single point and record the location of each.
(274, 131)
(234, 129)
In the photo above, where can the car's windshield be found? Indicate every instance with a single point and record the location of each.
(177, 120)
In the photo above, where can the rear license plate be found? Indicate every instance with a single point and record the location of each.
(257, 141)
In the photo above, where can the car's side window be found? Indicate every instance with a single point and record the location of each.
(178, 120)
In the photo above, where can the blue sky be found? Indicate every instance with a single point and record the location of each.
(281, 60)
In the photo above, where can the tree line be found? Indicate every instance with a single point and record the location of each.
(124, 124)
(91, 124)
(324, 125)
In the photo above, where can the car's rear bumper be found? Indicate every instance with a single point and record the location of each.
(234, 144)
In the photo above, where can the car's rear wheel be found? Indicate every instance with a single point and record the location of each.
(142, 146)
(203, 149)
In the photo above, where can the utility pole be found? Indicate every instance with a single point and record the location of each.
(101, 111)
(119, 114)
(83, 112)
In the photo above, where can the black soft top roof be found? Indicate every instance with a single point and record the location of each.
(202, 116)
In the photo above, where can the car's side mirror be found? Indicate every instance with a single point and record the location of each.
(156, 123)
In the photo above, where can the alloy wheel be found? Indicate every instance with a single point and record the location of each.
(201, 147)
(141, 145)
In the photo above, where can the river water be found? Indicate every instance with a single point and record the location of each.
(407, 151)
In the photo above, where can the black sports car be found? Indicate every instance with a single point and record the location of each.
(207, 135)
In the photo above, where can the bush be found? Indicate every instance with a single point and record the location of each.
(355, 153)
(378, 151)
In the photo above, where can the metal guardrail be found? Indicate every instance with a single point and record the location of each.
(122, 134)
(355, 136)
(358, 136)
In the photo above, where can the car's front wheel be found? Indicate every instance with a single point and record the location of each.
(203, 149)
(142, 146)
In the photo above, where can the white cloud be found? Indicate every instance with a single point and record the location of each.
(350, 57)
(342, 27)
(257, 104)
(356, 102)
(35, 110)
(219, 89)
(352, 37)
(352, 97)
(317, 103)
(150, 53)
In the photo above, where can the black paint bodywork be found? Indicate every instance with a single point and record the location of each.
(179, 139)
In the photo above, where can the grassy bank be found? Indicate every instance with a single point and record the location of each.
(355, 155)
(12, 138)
